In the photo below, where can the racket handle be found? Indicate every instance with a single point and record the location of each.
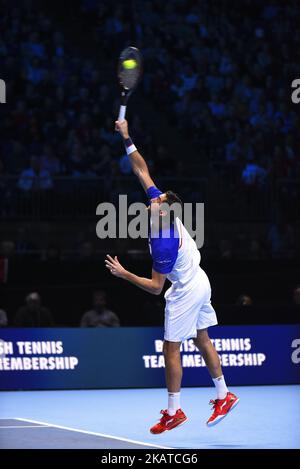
(122, 113)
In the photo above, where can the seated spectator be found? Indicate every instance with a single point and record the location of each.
(33, 314)
(3, 318)
(253, 174)
(244, 300)
(49, 162)
(99, 315)
(35, 178)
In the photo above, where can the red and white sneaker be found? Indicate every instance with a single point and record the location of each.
(168, 422)
(221, 408)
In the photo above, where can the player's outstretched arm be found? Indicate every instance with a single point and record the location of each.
(138, 164)
(152, 285)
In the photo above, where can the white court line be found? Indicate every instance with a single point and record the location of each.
(23, 426)
(142, 443)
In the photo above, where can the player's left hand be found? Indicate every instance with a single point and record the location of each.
(114, 266)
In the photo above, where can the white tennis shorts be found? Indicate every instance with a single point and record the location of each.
(189, 312)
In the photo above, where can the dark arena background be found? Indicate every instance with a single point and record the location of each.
(216, 117)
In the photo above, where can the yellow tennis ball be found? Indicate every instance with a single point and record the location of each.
(129, 64)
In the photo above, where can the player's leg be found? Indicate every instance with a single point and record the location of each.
(173, 416)
(211, 358)
(226, 400)
(173, 368)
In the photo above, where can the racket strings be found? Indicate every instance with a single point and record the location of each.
(129, 77)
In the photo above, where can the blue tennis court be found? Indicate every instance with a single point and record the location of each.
(266, 417)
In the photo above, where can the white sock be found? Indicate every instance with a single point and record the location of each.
(173, 402)
(221, 387)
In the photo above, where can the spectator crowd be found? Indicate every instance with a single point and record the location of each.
(221, 77)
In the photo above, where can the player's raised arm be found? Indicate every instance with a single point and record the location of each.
(138, 164)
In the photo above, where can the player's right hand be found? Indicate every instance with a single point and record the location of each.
(114, 266)
(122, 127)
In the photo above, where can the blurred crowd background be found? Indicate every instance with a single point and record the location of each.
(212, 115)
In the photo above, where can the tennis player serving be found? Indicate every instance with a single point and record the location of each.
(188, 311)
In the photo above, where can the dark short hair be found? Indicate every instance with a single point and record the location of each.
(172, 198)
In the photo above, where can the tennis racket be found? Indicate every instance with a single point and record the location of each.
(129, 73)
